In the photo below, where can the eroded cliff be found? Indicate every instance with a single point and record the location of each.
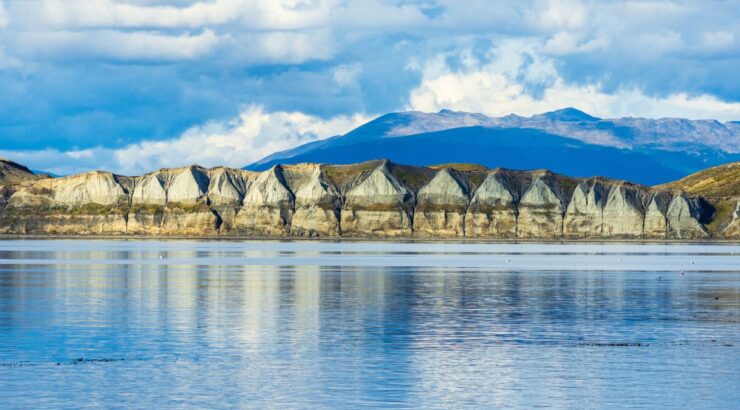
(371, 199)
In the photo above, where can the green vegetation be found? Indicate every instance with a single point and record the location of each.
(724, 208)
(459, 166)
(717, 182)
(413, 177)
(342, 176)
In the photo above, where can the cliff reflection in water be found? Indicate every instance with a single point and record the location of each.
(195, 323)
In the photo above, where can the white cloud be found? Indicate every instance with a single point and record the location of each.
(568, 43)
(500, 87)
(346, 74)
(286, 46)
(118, 45)
(68, 14)
(562, 14)
(239, 142)
(718, 40)
(3, 16)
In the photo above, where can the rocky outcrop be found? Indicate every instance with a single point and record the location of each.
(316, 202)
(683, 217)
(541, 209)
(226, 190)
(13, 173)
(440, 207)
(656, 221)
(732, 230)
(267, 208)
(623, 216)
(149, 190)
(584, 217)
(62, 223)
(187, 186)
(379, 206)
(493, 210)
(375, 199)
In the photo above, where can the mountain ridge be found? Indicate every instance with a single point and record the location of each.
(677, 147)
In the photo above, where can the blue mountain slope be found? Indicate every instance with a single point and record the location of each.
(517, 149)
(568, 141)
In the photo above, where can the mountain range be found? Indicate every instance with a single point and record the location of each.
(569, 141)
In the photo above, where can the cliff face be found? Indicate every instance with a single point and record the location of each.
(372, 199)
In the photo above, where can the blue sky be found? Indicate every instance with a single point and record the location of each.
(134, 85)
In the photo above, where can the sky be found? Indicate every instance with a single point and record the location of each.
(130, 86)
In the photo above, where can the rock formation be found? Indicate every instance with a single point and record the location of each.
(683, 218)
(380, 206)
(493, 210)
(733, 228)
(584, 217)
(316, 202)
(623, 216)
(440, 207)
(373, 199)
(267, 208)
(541, 209)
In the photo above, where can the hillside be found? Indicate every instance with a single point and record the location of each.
(567, 141)
(12, 172)
(720, 181)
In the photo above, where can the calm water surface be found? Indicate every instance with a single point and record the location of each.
(189, 324)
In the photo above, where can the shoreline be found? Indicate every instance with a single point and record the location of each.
(402, 239)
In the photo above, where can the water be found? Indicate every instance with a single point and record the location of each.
(222, 324)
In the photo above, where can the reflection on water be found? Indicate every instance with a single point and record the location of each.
(309, 324)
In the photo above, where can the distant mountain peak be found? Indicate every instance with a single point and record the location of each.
(568, 114)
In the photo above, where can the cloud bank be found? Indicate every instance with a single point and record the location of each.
(238, 142)
(85, 81)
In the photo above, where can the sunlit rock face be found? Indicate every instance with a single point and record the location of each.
(623, 216)
(584, 216)
(228, 186)
(187, 185)
(440, 207)
(316, 202)
(149, 190)
(656, 224)
(683, 219)
(90, 188)
(377, 206)
(541, 209)
(101, 188)
(47, 223)
(267, 208)
(493, 208)
(226, 190)
(732, 230)
(92, 203)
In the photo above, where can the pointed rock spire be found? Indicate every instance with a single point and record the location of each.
(492, 211)
(623, 215)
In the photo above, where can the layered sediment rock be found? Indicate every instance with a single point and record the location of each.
(541, 209)
(379, 206)
(732, 230)
(226, 190)
(584, 217)
(440, 207)
(656, 222)
(267, 208)
(623, 215)
(683, 217)
(493, 209)
(316, 202)
(374, 199)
